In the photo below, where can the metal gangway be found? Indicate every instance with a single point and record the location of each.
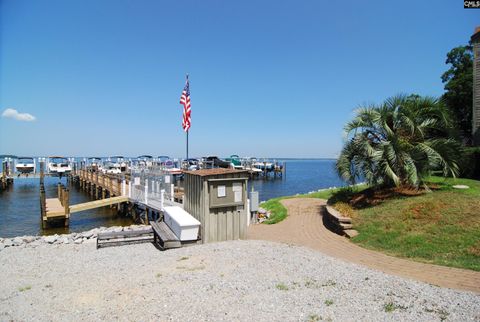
(152, 186)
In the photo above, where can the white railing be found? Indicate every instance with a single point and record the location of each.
(151, 186)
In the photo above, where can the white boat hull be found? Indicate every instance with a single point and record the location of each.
(25, 168)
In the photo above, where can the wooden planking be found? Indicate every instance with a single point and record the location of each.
(236, 225)
(242, 229)
(54, 208)
(121, 237)
(128, 233)
(217, 224)
(229, 225)
(166, 235)
(163, 231)
(208, 219)
(98, 203)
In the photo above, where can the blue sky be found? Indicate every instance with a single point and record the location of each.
(267, 78)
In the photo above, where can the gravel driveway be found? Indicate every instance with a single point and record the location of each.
(230, 281)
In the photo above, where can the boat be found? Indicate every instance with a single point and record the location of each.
(94, 162)
(264, 165)
(249, 164)
(162, 159)
(171, 166)
(59, 166)
(25, 165)
(235, 161)
(111, 168)
(216, 162)
(119, 162)
(145, 160)
(114, 165)
(191, 164)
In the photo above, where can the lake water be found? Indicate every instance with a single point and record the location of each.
(302, 176)
(20, 210)
(20, 205)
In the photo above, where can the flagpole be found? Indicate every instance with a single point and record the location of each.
(187, 146)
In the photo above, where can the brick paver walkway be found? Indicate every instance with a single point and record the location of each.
(304, 227)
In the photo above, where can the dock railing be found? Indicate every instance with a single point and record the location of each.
(151, 185)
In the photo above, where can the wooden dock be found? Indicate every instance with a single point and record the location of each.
(142, 202)
(108, 189)
(100, 185)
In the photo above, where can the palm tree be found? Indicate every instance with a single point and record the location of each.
(398, 143)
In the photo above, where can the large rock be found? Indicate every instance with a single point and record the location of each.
(29, 239)
(78, 241)
(7, 242)
(65, 240)
(17, 241)
(35, 243)
(87, 234)
(51, 239)
(95, 232)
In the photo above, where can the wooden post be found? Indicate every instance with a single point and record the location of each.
(66, 204)
(42, 174)
(110, 186)
(42, 205)
(146, 215)
(59, 191)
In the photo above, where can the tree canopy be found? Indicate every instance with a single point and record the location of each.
(458, 97)
(399, 142)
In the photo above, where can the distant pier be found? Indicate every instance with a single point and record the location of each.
(5, 177)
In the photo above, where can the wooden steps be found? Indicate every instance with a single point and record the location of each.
(341, 224)
(165, 236)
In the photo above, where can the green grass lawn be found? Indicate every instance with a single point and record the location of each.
(441, 227)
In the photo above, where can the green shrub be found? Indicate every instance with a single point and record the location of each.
(470, 163)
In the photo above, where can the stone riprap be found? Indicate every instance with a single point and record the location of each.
(73, 238)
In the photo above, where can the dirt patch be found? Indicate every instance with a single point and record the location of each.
(475, 249)
(426, 211)
(372, 197)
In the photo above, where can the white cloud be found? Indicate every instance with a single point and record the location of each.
(14, 114)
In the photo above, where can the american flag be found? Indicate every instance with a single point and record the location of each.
(185, 101)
